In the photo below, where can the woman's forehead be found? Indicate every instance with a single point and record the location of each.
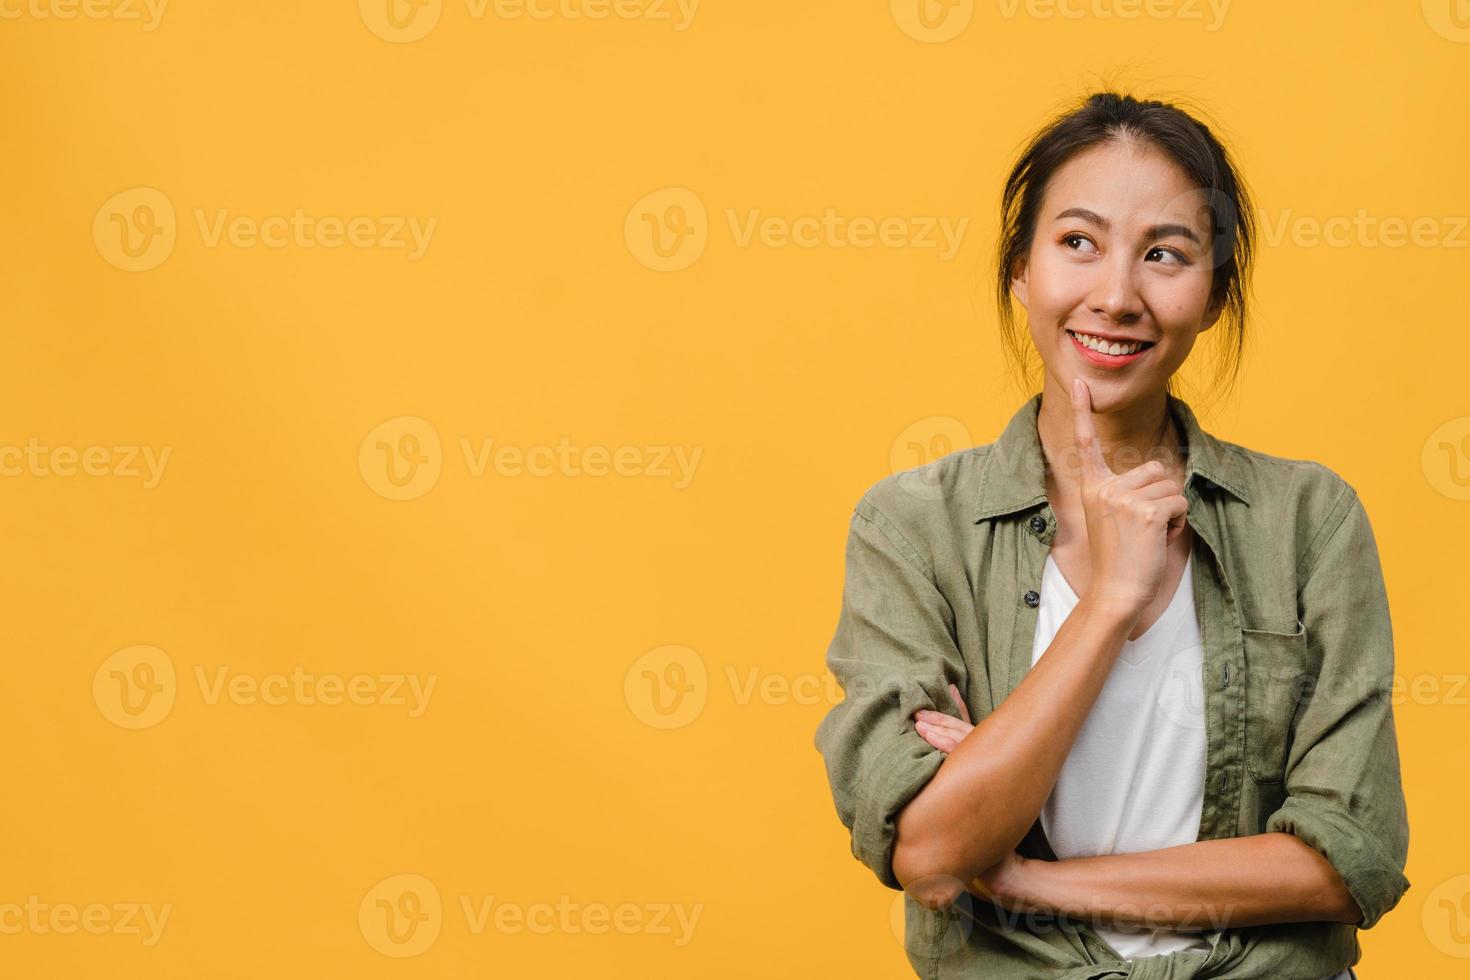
(1125, 185)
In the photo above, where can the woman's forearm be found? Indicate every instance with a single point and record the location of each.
(989, 791)
(1213, 884)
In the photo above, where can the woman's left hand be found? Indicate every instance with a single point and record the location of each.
(941, 730)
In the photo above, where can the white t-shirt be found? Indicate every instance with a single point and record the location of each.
(1135, 777)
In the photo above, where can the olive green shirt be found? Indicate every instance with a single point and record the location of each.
(943, 571)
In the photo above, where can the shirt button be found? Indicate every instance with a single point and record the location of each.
(1032, 598)
(1038, 523)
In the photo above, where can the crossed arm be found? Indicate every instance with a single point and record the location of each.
(1215, 884)
(924, 817)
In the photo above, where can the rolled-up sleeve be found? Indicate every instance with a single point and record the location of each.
(893, 653)
(1344, 791)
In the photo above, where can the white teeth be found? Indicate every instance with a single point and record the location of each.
(1106, 347)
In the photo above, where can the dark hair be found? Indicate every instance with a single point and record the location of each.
(1107, 117)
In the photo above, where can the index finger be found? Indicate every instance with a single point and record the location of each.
(1083, 432)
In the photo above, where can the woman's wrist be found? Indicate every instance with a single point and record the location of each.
(1025, 885)
(1010, 884)
(1111, 613)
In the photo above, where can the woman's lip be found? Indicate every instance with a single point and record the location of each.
(1106, 360)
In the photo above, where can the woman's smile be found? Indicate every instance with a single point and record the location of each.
(1098, 350)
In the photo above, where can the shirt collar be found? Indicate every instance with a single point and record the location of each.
(1014, 477)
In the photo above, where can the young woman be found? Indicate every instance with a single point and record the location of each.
(1176, 651)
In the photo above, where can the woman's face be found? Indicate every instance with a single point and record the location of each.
(1122, 251)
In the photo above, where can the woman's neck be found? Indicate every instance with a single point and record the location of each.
(1129, 436)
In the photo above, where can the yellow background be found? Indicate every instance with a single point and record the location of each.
(536, 774)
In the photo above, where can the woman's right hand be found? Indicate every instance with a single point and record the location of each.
(1131, 518)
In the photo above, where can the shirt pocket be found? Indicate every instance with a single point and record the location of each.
(1277, 674)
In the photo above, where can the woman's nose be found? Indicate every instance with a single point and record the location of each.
(1115, 292)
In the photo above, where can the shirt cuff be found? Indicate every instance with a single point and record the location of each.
(1371, 875)
(897, 776)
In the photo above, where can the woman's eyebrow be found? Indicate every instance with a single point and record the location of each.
(1157, 231)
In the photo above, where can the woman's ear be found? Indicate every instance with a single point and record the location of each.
(1212, 314)
(1019, 285)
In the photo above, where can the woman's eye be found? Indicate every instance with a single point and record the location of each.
(1174, 257)
(1074, 237)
